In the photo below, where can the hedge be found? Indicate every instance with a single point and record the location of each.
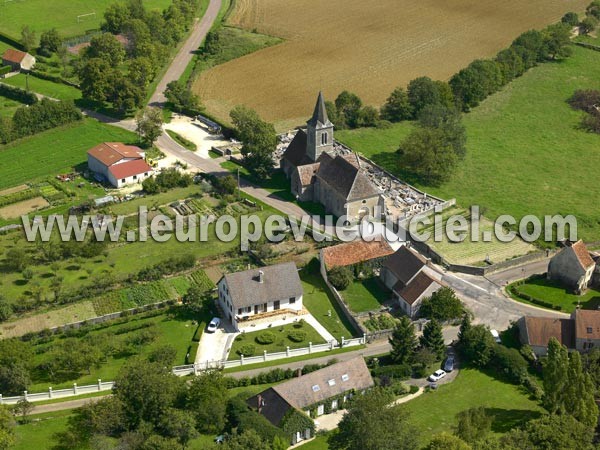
(18, 94)
(53, 78)
(4, 70)
(20, 196)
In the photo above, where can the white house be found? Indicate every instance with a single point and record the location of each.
(118, 163)
(258, 293)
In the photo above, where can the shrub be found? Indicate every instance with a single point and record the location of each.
(246, 350)
(299, 324)
(297, 336)
(396, 371)
(570, 18)
(340, 277)
(18, 94)
(585, 100)
(265, 338)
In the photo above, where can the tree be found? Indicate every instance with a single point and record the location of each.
(593, 9)
(141, 71)
(115, 17)
(181, 97)
(150, 186)
(28, 38)
(445, 441)
(258, 138)
(551, 432)
(207, 401)
(7, 432)
(125, 95)
(579, 393)
(477, 344)
(558, 41)
(178, 424)
(164, 355)
(14, 378)
(423, 91)
(397, 107)
(367, 116)
(433, 339)
(94, 79)
(442, 305)
(588, 25)
(473, 424)
(555, 377)
(334, 116)
(530, 46)
(475, 82)
(196, 299)
(510, 63)
(427, 154)
(248, 440)
(23, 408)
(106, 47)
(146, 391)
(340, 277)
(370, 423)
(570, 18)
(403, 341)
(149, 124)
(348, 106)
(16, 259)
(50, 42)
(6, 309)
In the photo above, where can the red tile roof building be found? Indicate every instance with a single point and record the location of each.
(118, 163)
(17, 59)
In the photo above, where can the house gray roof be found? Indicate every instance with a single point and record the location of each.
(320, 113)
(279, 282)
(313, 388)
(343, 175)
(404, 264)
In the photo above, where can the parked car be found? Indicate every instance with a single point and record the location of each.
(437, 375)
(496, 336)
(449, 364)
(213, 325)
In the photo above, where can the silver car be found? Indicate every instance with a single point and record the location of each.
(213, 325)
(449, 364)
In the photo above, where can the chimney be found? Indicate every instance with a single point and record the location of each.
(261, 276)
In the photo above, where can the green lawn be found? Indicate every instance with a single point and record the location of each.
(321, 304)
(40, 433)
(55, 151)
(524, 145)
(48, 88)
(554, 293)
(365, 295)
(318, 443)
(434, 412)
(8, 106)
(41, 15)
(174, 328)
(282, 340)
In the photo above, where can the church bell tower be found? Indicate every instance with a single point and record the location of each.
(319, 131)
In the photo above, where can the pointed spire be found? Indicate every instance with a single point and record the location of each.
(320, 112)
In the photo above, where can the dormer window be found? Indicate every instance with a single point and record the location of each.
(331, 382)
(345, 377)
(316, 388)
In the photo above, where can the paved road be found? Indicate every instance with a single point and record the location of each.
(186, 53)
(70, 404)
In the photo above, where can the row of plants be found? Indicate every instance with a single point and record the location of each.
(20, 196)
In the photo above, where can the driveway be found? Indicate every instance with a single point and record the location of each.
(214, 346)
(191, 130)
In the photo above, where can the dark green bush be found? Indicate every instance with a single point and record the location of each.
(297, 336)
(246, 350)
(265, 338)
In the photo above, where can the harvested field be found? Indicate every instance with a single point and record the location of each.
(13, 190)
(24, 207)
(365, 47)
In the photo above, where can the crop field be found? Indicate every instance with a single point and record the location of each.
(42, 15)
(54, 151)
(24, 207)
(524, 148)
(365, 47)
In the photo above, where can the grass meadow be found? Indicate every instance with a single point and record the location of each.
(42, 15)
(51, 89)
(554, 293)
(365, 295)
(526, 153)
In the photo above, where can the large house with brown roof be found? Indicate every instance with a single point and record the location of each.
(572, 266)
(18, 60)
(350, 253)
(580, 332)
(321, 392)
(268, 292)
(118, 163)
(317, 174)
(406, 274)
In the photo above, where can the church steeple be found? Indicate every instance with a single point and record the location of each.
(319, 131)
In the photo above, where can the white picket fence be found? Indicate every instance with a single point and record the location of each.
(189, 369)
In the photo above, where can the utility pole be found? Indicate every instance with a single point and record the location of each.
(238, 182)
(27, 81)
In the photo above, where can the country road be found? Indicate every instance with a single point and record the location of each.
(186, 52)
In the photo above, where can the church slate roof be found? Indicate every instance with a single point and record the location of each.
(320, 113)
(346, 178)
(296, 151)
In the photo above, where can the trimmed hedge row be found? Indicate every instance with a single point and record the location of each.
(18, 94)
(53, 78)
(515, 290)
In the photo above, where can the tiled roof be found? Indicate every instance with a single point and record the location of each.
(355, 252)
(404, 264)
(296, 151)
(416, 288)
(582, 254)
(108, 153)
(129, 168)
(541, 329)
(280, 281)
(14, 56)
(307, 172)
(587, 324)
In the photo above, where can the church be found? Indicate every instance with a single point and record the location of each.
(320, 174)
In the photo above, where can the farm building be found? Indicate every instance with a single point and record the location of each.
(406, 274)
(118, 163)
(256, 294)
(573, 266)
(317, 174)
(18, 60)
(321, 392)
(580, 332)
